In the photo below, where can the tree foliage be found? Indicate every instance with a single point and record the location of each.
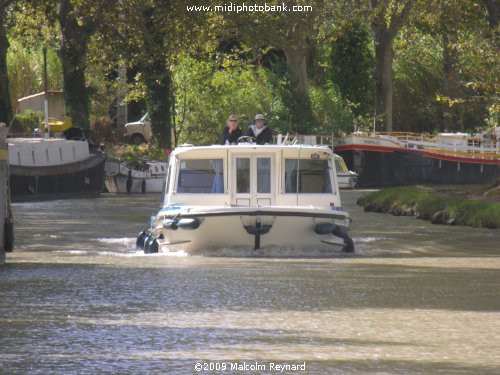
(351, 66)
(313, 71)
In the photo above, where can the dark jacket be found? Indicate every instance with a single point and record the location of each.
(231, 137)
(264, 137)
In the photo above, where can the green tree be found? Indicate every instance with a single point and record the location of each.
(78, 21)
(207, 91)
(296, 34)
(388, 16)
(147, 35)
(446, 68)
(351, 66)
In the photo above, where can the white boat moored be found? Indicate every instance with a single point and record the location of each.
(120, 178)
(249, 196)
(346, 178)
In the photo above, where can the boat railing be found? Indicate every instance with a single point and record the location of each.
(489, 148)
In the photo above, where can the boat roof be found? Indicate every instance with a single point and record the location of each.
(253, 148)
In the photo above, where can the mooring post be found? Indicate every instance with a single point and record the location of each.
(4, 153)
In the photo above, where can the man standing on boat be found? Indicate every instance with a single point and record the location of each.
(260, 130)
(232, 131)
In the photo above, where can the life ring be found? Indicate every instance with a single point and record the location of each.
(8, 233)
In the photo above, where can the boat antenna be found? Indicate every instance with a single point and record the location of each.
(45, 88)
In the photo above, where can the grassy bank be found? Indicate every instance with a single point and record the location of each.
(453, 206)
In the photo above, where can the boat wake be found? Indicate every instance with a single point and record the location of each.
(268, 252)
(126, 247)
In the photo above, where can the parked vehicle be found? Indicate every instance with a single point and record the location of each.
(138, 132)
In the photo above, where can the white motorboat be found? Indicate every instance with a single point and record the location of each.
(120, 178)
(249, 196)
(346, 178)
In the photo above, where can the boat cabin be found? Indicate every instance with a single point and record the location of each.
(248, 175)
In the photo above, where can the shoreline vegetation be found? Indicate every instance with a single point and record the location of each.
(474, 206)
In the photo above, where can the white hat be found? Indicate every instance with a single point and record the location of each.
(259, 117)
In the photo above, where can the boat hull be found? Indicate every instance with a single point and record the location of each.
(252, 229)
(118, 184)
(404, 167)
(73, 180)
(120, 179)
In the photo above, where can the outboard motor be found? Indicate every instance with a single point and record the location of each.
(139, 243)
(152, 246)
(342, 233)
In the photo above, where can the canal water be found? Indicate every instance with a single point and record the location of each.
(77, 298)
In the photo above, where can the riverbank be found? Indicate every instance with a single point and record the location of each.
(475, 206)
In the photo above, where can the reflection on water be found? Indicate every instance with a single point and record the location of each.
(76, 297)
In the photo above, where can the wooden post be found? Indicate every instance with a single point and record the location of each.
(4, 153)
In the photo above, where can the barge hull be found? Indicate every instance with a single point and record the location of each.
(74, 180)
(402, 167)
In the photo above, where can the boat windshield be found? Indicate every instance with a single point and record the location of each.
(307, 176)
(201, 176)
(340, 165)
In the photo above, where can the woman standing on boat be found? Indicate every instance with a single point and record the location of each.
(232, 131)
(260, 130)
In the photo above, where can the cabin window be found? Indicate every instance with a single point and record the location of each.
(167, 182)
(340, 165)
(307, 176)
(243, 175)
(263, 175)
(201, 176)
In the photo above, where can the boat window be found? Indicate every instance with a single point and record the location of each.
(167, 182)
(243, 175)
(263, 175)
(340, 165)
(201, 176)
(309, 176)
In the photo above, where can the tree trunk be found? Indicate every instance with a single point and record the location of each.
(383, 77)
(493, 9)
(5, 103)
(158, 82)
(451, 88)
(384, 31)
(300, 107)
(72, 53)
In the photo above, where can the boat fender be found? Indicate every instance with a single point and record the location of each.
(146, 244)
(170, 224)
(348, 242)
(189, 224)
(152, 246)
(324, 228)
(139, 243)
(129, 182)
(8, 233)
(143, 186)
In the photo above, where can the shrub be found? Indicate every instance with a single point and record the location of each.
(429, 206)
